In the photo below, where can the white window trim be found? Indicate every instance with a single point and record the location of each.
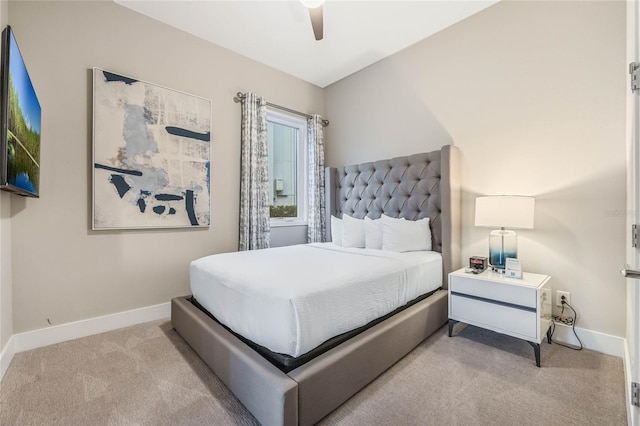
(276, 116)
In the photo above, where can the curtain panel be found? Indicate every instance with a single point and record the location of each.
(316, 207)
(254, 175)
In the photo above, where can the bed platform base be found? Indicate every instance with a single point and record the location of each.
(308, 393)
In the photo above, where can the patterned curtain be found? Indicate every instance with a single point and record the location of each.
(254, 175)
(316, 219)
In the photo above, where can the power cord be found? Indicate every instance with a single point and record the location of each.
(566, 321)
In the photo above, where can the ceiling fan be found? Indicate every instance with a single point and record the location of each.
(315, 13)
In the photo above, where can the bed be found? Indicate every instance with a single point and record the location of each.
(412, 187)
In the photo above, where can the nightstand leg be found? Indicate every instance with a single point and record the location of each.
(451, 322)
(536, 350)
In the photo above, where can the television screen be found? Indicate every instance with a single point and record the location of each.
(20, 117)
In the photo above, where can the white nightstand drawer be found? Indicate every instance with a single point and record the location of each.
(503, 292)
(508, 320)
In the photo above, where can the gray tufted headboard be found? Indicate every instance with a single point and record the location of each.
(412, 187)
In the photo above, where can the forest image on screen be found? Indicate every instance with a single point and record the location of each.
(23, 129)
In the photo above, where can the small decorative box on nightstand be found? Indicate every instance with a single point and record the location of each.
(516, 307)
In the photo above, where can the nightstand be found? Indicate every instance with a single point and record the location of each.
(516, 307)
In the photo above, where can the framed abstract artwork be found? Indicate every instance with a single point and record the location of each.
(151, 155)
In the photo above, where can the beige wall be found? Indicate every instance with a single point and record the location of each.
(6, 297)
(533, 93)
(62, 271)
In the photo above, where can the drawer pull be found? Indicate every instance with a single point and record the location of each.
(495, 302)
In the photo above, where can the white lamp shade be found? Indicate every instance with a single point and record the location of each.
(508, 211)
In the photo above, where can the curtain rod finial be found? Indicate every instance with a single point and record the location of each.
(238, 97)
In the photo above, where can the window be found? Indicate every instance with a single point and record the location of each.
(287, 142)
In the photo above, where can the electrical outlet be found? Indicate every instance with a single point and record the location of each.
(567, 297)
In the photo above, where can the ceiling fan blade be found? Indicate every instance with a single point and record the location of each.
(316, 22)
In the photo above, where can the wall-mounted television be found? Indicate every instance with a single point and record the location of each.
(19, 123)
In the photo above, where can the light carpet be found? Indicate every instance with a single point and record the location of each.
(147, 375)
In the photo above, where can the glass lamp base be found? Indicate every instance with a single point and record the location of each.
(502, 244)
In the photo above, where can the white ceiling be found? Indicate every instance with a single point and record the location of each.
(279, 34)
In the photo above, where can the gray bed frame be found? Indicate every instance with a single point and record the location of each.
(412, 187)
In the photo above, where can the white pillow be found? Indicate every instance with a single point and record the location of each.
(405, 235)
(372, 233)
(336, 231)
(352, 232)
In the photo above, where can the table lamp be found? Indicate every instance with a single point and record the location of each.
(504, 211)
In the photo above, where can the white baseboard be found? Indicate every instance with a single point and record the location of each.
(7, 355)
(60, 333)
(594, 340)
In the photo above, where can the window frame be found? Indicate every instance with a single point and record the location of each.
(290, 120)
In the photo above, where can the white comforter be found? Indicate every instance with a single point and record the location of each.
(291, 299)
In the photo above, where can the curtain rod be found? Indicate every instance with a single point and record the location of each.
(240, 96)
